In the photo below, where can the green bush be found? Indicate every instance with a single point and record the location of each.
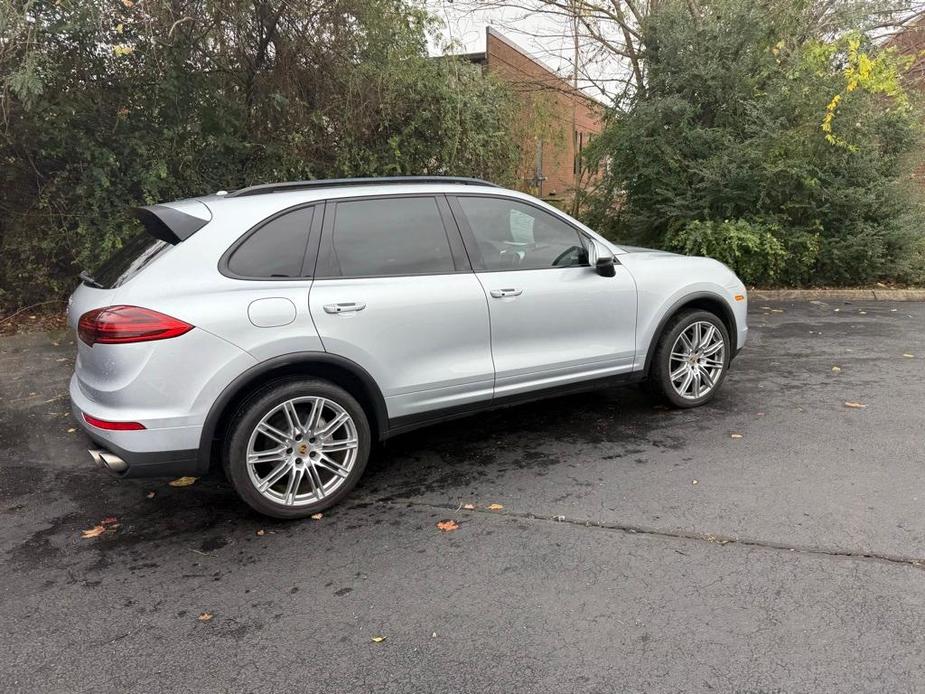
(106, 105)
(747, 114)
(750, 249)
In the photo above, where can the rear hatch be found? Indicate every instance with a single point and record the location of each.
(159, 228)
(103, 369)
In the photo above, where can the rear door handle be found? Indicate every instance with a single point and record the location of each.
(346, 307)
(502, 293)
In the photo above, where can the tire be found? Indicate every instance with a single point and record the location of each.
(710, 369)
(302, 468)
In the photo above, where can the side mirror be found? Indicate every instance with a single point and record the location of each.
(605, 266)
(602, 260)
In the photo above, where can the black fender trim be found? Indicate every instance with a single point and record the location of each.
(253, 376)
(728, 316)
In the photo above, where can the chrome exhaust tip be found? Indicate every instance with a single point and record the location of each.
(109, 461)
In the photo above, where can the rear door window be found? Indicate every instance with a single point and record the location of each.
(276, 249)
(390, 236)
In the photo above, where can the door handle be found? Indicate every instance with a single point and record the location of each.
(502, 293)
(346, 307)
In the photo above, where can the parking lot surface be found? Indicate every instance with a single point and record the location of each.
(772, 541)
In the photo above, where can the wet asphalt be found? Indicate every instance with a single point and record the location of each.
(638, 548)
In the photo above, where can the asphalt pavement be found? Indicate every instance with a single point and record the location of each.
(772, 541)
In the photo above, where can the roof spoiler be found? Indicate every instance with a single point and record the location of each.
(173, 225)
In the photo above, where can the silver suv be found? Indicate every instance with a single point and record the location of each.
(282, 329)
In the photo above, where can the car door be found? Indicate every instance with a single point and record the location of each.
(554, 319)
(394, 292)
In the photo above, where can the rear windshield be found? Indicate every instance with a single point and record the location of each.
(129, 260)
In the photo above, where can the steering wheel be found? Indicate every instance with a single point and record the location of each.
(571, 250)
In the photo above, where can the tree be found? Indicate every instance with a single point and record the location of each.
(757, 131)
(110, 103)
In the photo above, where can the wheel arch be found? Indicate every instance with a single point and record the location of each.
(345, 373)
(708, 301)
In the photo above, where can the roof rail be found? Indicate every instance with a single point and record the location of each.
(338, 182)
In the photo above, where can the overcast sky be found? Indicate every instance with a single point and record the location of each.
(545, 37)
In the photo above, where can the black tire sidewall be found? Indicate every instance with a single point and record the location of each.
(253, 410)
(661, 367)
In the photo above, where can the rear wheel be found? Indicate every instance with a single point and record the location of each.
(691, 359)
(297, 447)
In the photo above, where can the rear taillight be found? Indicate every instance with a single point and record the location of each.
(120, 324)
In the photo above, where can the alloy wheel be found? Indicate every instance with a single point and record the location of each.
(302, 451)
(697, 360)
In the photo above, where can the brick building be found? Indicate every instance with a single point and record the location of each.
(557, 121)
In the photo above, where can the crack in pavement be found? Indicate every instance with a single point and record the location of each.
(630, 529)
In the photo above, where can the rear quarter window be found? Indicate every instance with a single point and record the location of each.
(274, 250)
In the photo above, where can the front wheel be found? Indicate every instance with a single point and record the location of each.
(297, 447)
(691, 358)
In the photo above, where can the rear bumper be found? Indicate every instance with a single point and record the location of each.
(146, 453)
(160, 464)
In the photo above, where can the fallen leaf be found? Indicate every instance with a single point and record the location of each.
(735, 436)
(261, 532)
(495, 507)
(836, 369)
(863, 313)
(151, 494)
(378, 639)
(469, 507)
(909, 356)
(205, 616)
(183, 481)
(448, 525)
(71, 430)
(855, 405)
(317, 516)
(694, 482)
(95, 531)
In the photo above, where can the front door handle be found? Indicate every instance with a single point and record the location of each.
(502, 293)
(346, 307)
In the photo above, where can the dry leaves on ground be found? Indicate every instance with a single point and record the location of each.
(855, 405)
(378, 639)
(735, 436)
(108, 523)
(836, 369)
(447, 525)
(205, 616)
(183, 481)
(469, 507)
(495, 507)
(317, 516)
(909, 356)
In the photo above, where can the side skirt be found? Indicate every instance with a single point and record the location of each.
(402, 425)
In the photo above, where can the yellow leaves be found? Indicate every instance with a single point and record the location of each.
(447, 526)
(122, 49)
(494, 507)
(378, 639)
(836, 369)
(183, 481)
(873, 73)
